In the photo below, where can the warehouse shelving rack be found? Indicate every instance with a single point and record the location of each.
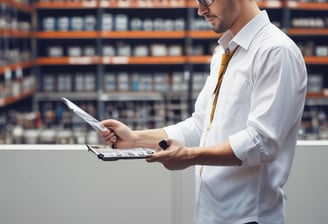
(187, 64)
(16, 80)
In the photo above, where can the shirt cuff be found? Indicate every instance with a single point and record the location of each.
(173, 133)
(245, 146)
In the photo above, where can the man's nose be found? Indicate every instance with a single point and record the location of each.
(202, 10)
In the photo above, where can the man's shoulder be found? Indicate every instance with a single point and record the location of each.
(271, 37)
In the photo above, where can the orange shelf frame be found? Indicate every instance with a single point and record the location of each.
(13, 67)
(158, 60)
(66, 34)
(137, 60)
(265, 4)
(195, 59)
(144, 60)
(191, 4)
(128, 34)
(67, 60)
(307, 31)
(143, 34)
(144, 4)
(270, 4)
(316, 95)
(112, 4)
(110, 34)
(66, 5)
(117, 60)
(207, 34)
(14, 33)
(10, 100)
(306, 5)
(316, 60)
(158, 4)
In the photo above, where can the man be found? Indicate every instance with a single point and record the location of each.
(242, 152)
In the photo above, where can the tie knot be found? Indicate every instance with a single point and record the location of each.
(227, 55)
(228, 52)
(225, 58)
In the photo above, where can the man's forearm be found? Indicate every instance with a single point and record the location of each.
(218, 155)
(149, 138)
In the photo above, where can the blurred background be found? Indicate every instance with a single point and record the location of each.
(142, 62)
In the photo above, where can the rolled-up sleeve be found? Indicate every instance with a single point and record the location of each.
(277, 103)
(246, 147)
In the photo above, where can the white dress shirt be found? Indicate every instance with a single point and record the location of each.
(259, 111)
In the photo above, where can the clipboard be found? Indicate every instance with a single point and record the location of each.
(106, 153)
(109, 154)
(93, 122)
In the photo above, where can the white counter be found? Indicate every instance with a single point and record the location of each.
(66, 184)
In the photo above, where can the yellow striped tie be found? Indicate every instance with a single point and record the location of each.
(224, 64)
(223, 67)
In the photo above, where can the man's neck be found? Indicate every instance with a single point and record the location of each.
(249, 10)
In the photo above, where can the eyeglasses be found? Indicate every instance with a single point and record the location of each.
(205, 2)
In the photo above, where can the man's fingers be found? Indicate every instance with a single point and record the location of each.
(157, 157)
(114, 138)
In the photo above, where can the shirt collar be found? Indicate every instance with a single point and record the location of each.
(245, 36)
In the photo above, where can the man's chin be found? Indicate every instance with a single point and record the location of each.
(216, 31)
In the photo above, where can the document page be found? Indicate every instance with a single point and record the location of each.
(93, 122)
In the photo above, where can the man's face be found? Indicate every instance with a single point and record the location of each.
(221, 14)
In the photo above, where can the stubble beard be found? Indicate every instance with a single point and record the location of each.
(219, 29)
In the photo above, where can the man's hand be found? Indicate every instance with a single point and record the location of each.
(175, 157)
(118, 134)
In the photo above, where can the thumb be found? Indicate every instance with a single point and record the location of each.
(111, 123)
